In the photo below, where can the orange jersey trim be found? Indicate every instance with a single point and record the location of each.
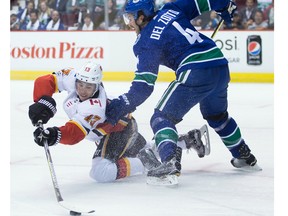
(56, 83)
(44, 85)
(123, 168)
(72, 133)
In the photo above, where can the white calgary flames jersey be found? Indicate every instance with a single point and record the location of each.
(86, 114)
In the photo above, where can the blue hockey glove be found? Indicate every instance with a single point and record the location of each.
(42, 110)
(228, 12)
(52, 135)
(118, 108)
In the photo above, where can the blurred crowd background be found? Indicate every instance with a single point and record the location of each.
(89, 15)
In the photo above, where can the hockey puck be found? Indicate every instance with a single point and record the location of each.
(74, 213)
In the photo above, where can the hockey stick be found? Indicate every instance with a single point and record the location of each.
(217, 28)
(73, 210)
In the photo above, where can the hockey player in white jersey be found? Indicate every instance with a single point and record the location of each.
(121, 150)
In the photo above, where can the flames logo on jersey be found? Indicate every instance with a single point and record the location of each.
(92, 119)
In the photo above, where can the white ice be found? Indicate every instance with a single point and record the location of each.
(208, 186)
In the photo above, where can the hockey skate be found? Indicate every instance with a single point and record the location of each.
(193, 140)
(148, 159)
(168, 172)
(246, 161)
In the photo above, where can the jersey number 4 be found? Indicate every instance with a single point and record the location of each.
(189, 34)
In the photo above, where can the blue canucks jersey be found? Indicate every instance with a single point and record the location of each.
(171, 40)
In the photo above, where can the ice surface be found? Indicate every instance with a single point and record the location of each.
(208, 186)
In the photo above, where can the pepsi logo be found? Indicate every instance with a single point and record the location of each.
(254, 48)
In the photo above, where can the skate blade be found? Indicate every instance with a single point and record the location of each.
(167, 180)
(204, 133)
(254, 168)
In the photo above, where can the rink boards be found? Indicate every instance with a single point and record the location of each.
(36, 53)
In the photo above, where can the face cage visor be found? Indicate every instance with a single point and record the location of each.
(127, 17)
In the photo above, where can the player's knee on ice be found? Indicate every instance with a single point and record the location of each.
(103, 170)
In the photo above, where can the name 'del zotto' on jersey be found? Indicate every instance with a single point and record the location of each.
(165, 19)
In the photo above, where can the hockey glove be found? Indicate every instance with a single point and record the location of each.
(228, 12)
(52, 135)
(42, 110)
(118, 108)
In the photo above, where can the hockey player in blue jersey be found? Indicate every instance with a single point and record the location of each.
(167, 37)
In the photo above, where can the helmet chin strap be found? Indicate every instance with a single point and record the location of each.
(96, 89)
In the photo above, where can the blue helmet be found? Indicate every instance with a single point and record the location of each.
(133, 6)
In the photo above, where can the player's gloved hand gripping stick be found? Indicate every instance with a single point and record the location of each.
(73, 210)
(226, 15)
